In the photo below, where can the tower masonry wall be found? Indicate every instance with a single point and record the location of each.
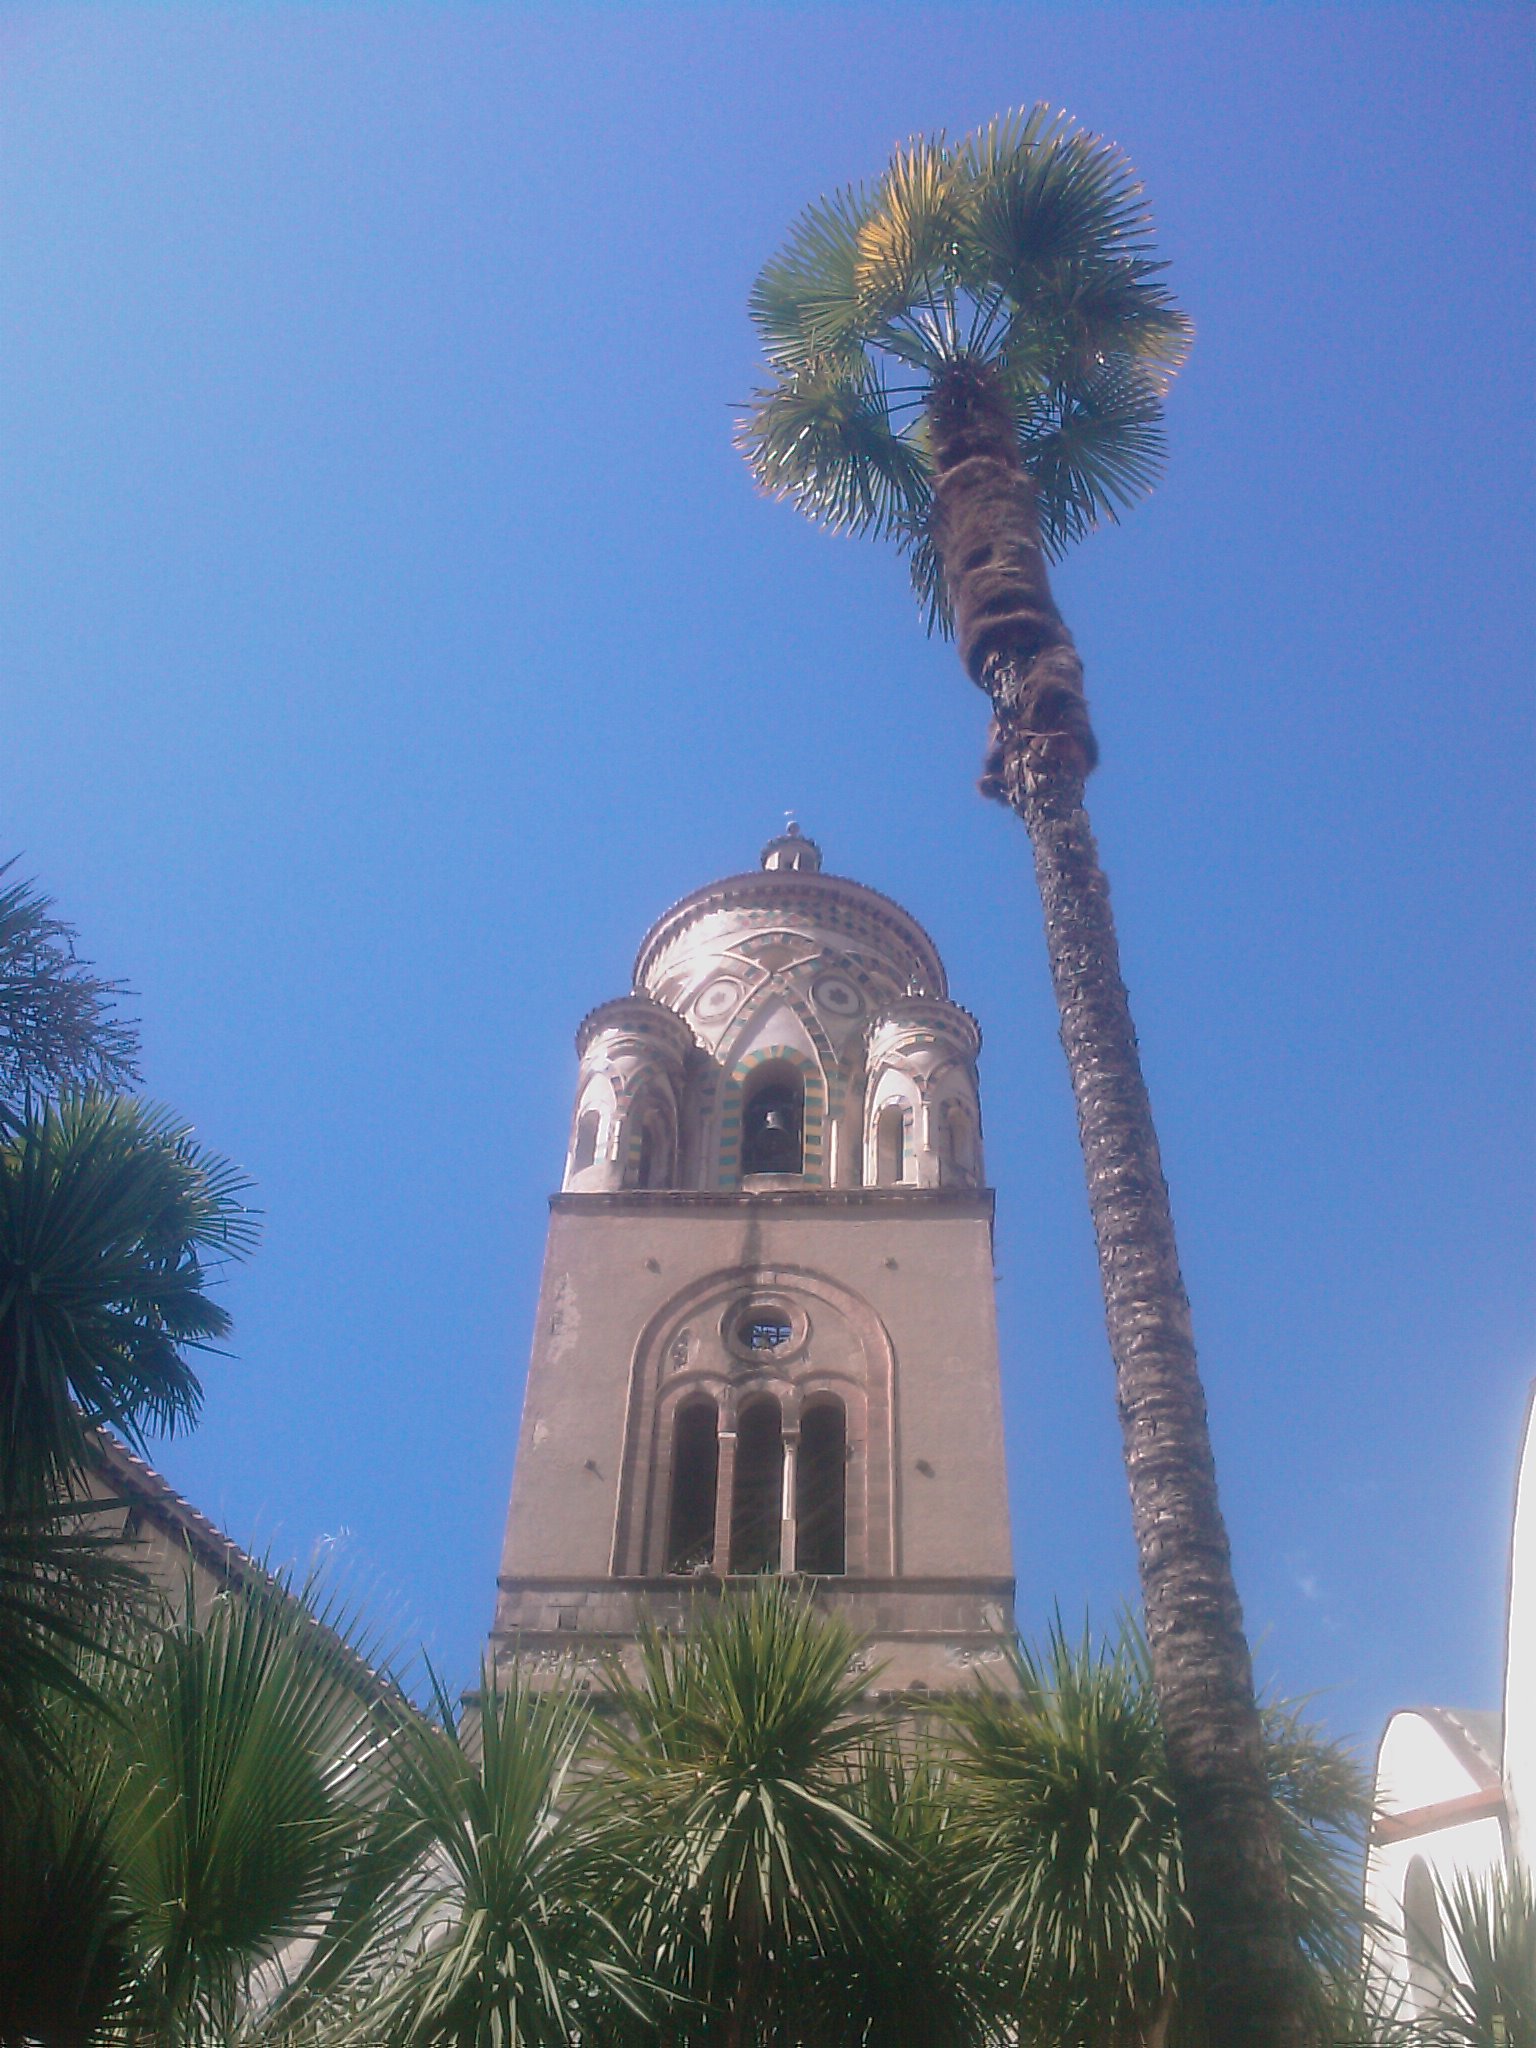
(884, 1297)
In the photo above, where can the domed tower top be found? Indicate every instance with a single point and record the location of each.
(791, 849)
(789, 1027)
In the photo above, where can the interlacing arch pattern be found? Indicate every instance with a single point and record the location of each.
(815, 1111)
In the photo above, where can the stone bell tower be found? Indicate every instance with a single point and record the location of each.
(766, 1338)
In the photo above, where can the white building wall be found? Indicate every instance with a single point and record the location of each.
(1520, 1654)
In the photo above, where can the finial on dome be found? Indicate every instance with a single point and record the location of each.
(791, 849)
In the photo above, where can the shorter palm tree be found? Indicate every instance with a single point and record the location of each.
(109, 1215)
(915, 1972)
(477, 1914)
(1490, 1981)
(1067, 1836)
(195, 1825)
(733, 1751)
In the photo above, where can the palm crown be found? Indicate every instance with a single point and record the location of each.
(1022, 254)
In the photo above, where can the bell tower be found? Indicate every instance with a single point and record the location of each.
(766, 1338)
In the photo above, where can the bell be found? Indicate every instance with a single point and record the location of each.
(776, 1120)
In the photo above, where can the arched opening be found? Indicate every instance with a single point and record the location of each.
(695, 1479)
(773, 1123)
(653, 1162)
(891, 1145)
(757, 1506)
(1424, 1939)
(821, 1491)
(586, 1140)
(960, 1142)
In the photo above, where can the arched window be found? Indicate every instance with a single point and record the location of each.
(773, 1123)
(586, 1140)
(695, 1479)
(821, 1490)
(1424, 1939)
(757, 1506)
(891, 1145)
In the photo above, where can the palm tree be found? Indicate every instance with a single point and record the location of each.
(108, 1211)
(200, 1819)
(733, 1750)
(917, 1970)
(58, 1023)
(1489, 1999)
(478, 1913)
(969, 358)
(1067, 1839)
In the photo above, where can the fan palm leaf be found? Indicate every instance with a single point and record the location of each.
(1025, 248)
(110, 1215)
(252, 1739)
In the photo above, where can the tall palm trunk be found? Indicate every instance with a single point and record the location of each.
(1015, 645)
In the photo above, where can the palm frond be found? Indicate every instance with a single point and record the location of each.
(1093, 450)
(110, 1217)
(68, 1939)
(1066, 1825)
(59, 1027)
(480, 1905)
(823, 438)
(1323, 1798)
(250, 1759)
(907, 243)
(805, 301)
(68, 1600)
(732, 1748)
(1024, 252)
(1490, 1989)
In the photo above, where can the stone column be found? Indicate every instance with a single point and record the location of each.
(791, 1443)
(725, 1498)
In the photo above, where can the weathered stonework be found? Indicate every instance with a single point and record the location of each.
(766, 1336)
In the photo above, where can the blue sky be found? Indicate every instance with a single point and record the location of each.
(390, 633)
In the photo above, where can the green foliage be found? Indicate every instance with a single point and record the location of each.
(1026, 248)
(261, 1842)
(1067, 1836)
(478, 1912)
(108, 1210)
(66, 1595)
(732, 1752)
(247, 1754)
(207, 1791)
(68, 1955)
(917, 1971)
(1490, 1991)
(1069, 1839)
(58, 1028)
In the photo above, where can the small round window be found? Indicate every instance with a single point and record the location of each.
(763, 1333)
